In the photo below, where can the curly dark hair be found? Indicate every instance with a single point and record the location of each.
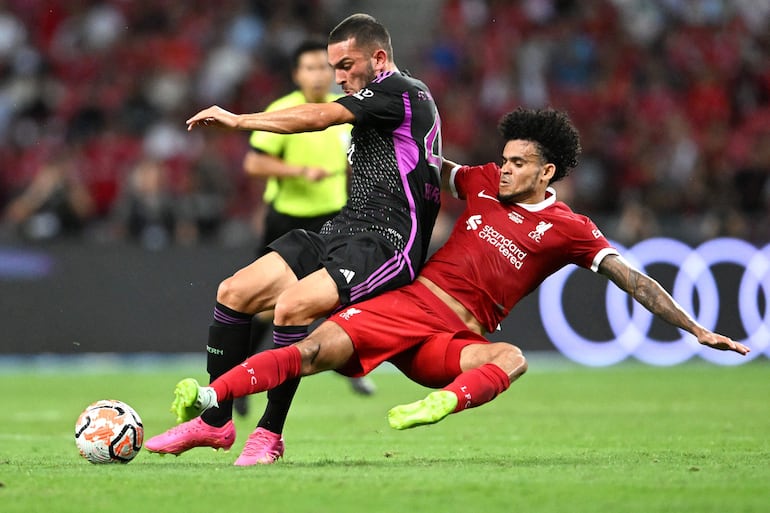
(552, 131)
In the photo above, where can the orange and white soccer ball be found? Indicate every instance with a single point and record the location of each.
(109, 431)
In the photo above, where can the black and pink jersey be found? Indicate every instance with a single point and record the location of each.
(497, 253)
(395, 157)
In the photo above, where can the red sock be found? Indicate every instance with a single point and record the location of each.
(258, 373)
(478, 386)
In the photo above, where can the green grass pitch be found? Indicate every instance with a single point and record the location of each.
(565, 438)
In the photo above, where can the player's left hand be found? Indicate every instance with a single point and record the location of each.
(722, 343)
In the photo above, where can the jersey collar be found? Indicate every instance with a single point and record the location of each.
(550, 199)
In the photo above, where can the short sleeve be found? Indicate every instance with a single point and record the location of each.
(378, 105)
(589, 246)
(471, 179)
(268, 142)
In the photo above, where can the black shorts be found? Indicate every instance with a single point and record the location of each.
(278, 224)
(362, 265)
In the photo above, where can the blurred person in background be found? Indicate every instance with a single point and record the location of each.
(752, 186)
(201, 204)
(145, 211)
(306, 173)
(55, 204)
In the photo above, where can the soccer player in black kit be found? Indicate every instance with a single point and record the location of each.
(378, 242)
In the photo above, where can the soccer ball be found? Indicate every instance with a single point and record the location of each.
(109, 431)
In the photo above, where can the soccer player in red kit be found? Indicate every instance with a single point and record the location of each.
(512, 235)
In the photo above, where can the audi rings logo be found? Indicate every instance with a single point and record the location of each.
(694, 275)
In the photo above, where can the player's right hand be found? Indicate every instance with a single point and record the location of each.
(722, 343)
(315, 174)
(213, 116)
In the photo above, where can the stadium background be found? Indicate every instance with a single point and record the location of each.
(142, 219)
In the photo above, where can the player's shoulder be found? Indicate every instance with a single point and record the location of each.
(466, 180)
(566, 214)
(389, 77)
(397, 81)
(480, 172)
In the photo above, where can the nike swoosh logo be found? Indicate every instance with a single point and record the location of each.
(487, 196)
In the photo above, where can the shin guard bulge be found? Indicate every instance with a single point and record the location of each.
(279, 398)
(478, 386)
(261, 372)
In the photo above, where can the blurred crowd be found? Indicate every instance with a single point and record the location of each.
(672, 98)
(93, 99)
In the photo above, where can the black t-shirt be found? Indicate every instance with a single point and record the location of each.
(395, 157)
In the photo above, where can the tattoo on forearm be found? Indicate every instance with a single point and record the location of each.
(648, 292)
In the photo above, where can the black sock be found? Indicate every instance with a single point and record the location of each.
(258, 330)
(279, 398)
(228, 346)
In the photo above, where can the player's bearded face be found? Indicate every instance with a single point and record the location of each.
(353, 67)
(521, 174)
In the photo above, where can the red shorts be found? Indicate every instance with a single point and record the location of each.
(411, 328)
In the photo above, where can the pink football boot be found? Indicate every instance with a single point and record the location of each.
(191, 434)
(262, 448)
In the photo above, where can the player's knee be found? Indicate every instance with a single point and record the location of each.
(294, 308)
(309, 349)
(327, 348)
(232, 294)
(511, 360)
(520, 361)
(287, 311)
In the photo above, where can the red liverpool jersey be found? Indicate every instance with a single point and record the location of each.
(498, 253)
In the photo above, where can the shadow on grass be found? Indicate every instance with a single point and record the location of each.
(397, 461)
(387, 461)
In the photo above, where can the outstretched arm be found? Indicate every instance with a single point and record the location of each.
(650, 294)
(309, 117)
